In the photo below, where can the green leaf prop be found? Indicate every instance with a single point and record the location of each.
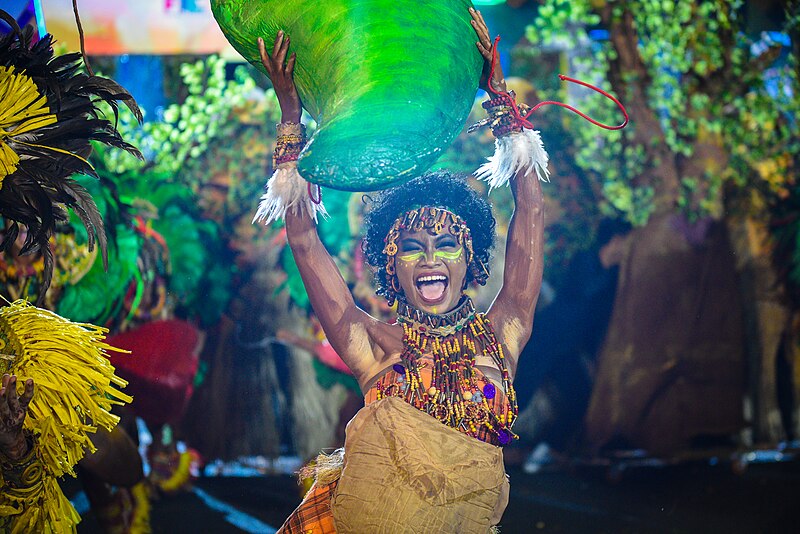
(187, 250)
(199, 280)
(294, 283)
(212, 300)
(390, 83)
(94, 297)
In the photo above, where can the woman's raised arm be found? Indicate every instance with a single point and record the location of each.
(512, 311)
(345, 325)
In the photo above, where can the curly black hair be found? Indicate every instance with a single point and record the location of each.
(440, 189)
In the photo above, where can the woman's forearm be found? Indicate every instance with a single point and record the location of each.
(290, 113)
(524, 258)
(328, 293)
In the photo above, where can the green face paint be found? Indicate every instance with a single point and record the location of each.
(414, 256)
(449, 256)
(437, 255)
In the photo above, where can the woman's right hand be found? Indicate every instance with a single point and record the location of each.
(486, 48)
(13, 410)
(281, 73)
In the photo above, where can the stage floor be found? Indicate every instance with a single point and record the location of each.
(689, 498)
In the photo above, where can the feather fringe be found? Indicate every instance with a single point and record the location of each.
(520, 152)
(286, 190)
(75, 390)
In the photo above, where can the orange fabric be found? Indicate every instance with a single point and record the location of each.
(313, 515)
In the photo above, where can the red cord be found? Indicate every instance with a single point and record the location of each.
(582, 114)
(491, 70)
(146, 231)
(523, 120)
(317, 200)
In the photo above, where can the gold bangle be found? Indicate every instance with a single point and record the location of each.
(23, 476)
(291, 128)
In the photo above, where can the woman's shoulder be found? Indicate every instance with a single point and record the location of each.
(385, 346)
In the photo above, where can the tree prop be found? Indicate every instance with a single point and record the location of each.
(389, 83)
(711, 139)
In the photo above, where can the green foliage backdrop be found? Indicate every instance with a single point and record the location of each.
(703, 118)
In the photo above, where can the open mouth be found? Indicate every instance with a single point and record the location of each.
(432, 287)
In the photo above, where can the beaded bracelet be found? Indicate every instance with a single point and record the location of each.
(23, 477)
(289, 143)
(503, 99)
(502, 119)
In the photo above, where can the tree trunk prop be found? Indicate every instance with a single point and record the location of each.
(672, 369)
(768, 322)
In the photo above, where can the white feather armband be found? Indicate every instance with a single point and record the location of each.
(517, 152)
(287, 190)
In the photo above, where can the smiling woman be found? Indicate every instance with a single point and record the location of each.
(431, 271)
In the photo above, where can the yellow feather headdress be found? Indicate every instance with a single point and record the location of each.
(49, 114)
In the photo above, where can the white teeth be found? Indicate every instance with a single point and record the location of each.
(432, 278)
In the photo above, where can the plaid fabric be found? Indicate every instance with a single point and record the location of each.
(313, 515)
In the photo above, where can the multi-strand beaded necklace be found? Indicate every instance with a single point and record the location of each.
(458, 395)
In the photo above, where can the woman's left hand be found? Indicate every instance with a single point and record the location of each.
(485, 47)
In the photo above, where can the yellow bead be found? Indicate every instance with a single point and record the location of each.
(432, 391)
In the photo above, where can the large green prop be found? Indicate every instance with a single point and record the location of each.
(389, 82)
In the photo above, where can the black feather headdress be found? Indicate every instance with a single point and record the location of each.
(48, 116)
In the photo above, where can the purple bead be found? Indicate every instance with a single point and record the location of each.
(504, 437)
(398, 368)
(489, 391)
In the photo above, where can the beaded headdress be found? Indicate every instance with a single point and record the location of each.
(436, 221)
